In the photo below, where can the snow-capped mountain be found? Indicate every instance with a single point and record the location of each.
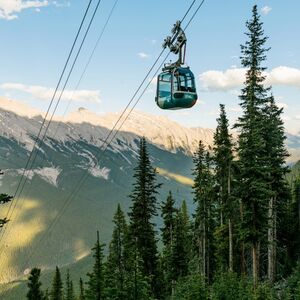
(73, 149)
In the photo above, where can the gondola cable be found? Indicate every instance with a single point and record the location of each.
(38, 141)
(83, 178)
(77, 85)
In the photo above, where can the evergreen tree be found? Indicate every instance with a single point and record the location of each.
(276, 154)
(143, 209)
(57, 286)
(81, 290)
(115, 265)
(34, 285)
(137, 285)
(203, 197)
(69, 290)
(96, 277)
(168, 213)
(4, 198)
(253, 184)
(180, 255)
(223, 158)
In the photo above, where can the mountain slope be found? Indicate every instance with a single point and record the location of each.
(70, 151)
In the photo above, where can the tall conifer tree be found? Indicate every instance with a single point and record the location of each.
(253, 184)
(95, 283)
(57, 286)
(276, 154)
(223, 158)
(142, 211)
(203, 197)
(69, 290)
(168, 213)
(115, 265)
(34, 285)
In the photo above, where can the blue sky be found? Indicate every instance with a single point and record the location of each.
(37, 35)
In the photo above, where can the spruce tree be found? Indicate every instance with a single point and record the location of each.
(253, 184)
(34, 285)
(223, 158)
(203, 197)
(143, 209)
(180, 255)
(95, 285)
(115, 265)
(4, 198)
(276, 154)
(168, 213)
(69, 290)
(81, 290)
(57, 286)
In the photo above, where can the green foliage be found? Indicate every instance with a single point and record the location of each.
(226, 206)
(203, 190)
(4, 198)
(143, 209)
(95, 283)
(34, 285)
(57, 286)
(69, 290)
(191, 287)
(81, 290)
(292, 287)
(168, 213)
(115, 271)
(228, 286)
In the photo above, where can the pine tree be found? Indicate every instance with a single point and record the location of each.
(81, 290)
(180, 255)
(276, 154)
(203, 197)
(223, 158)
(69, 290)
(136, 285)
(4, 198)
(168, 213)
(34, 285)
(253, 186)
(115, 265)
(57, 286)
(143, 209)
(96, 277)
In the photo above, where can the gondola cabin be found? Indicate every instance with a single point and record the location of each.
(176, 88)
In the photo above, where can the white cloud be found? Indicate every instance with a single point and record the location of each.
(218, 80)
(266, 9)
(45, 93)
(143, 55)
(284, 76)
(62, 4)
(9, 9)
(231, 79)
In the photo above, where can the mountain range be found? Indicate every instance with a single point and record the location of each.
(70, 151)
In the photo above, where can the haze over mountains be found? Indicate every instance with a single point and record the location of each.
(71, 150)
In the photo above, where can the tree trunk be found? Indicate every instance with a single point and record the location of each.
(255, 263)
(271, 240)
(230, 246)
(243, 261)
(230, 224)
(204, 251)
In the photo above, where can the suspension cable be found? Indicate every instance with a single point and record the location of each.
(84, 177)
(38, 141)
